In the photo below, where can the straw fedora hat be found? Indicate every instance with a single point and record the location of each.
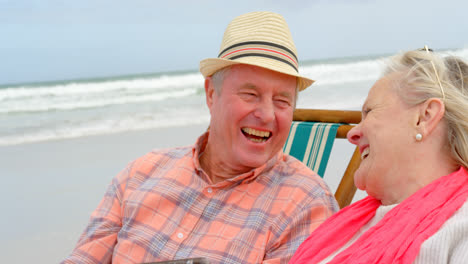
(261, 39)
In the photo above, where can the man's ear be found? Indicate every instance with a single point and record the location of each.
(209, 91)
(430, 114)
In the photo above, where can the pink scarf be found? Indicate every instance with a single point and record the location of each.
(394, 239)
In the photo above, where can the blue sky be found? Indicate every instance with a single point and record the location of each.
(44, 40)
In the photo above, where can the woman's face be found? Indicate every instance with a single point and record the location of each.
(384, 137)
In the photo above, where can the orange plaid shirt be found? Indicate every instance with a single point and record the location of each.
(163, 206)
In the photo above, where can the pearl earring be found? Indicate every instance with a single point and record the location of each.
(418, 137)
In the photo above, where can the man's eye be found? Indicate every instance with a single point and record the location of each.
(282, 102)
(248, 94)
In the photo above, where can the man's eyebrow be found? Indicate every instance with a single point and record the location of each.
(254, 87)
(249, 86)
(286, 94)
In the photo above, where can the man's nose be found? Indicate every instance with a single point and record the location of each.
(265, 111)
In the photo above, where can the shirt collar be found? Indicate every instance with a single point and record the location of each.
(199, 147)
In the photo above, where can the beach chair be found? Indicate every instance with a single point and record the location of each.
(311, 140)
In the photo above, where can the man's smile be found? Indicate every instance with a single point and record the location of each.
(255, 135)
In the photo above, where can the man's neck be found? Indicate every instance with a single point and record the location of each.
(216, 169)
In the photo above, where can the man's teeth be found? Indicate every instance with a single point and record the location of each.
(257, 133)
(365, 153)
(261, 136)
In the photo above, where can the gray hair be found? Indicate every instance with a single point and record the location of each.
(426, 75)
(218, 78)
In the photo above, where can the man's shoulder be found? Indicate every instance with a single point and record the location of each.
(292, 172)
(176, 152)
(162, 157)
(302, 185)
(154, 164)
(295, 166)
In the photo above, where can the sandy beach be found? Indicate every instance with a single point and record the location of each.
(50, 188)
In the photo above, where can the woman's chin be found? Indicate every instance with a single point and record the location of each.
(359, 180)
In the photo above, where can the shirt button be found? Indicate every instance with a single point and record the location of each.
(180, 235)
(209, 190)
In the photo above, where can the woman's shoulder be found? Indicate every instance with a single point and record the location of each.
(456, 227)
(450, 243)
(458, 220)
(464, 209)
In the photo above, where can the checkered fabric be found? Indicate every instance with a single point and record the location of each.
(163, 206)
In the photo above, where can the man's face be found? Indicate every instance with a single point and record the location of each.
(250, 117)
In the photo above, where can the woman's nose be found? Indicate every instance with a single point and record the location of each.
(354, 135)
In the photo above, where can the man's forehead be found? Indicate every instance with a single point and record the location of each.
(252, 86)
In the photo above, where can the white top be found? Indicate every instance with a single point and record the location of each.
(448, 245)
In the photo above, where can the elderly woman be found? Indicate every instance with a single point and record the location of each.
(413, 140)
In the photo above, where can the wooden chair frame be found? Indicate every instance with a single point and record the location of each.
(346, 188)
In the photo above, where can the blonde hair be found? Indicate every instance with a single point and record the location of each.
(426, 75)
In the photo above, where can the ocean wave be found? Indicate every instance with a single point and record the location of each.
(87, 101)
(102, 87)
(357, 71)
(326, 74)
(139, 122)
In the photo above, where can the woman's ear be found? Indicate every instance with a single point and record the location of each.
(430, 114)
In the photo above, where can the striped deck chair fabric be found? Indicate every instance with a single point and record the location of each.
(311, 143)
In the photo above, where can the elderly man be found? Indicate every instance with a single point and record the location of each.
(233, 197)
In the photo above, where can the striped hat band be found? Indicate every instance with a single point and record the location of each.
(260, 49)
